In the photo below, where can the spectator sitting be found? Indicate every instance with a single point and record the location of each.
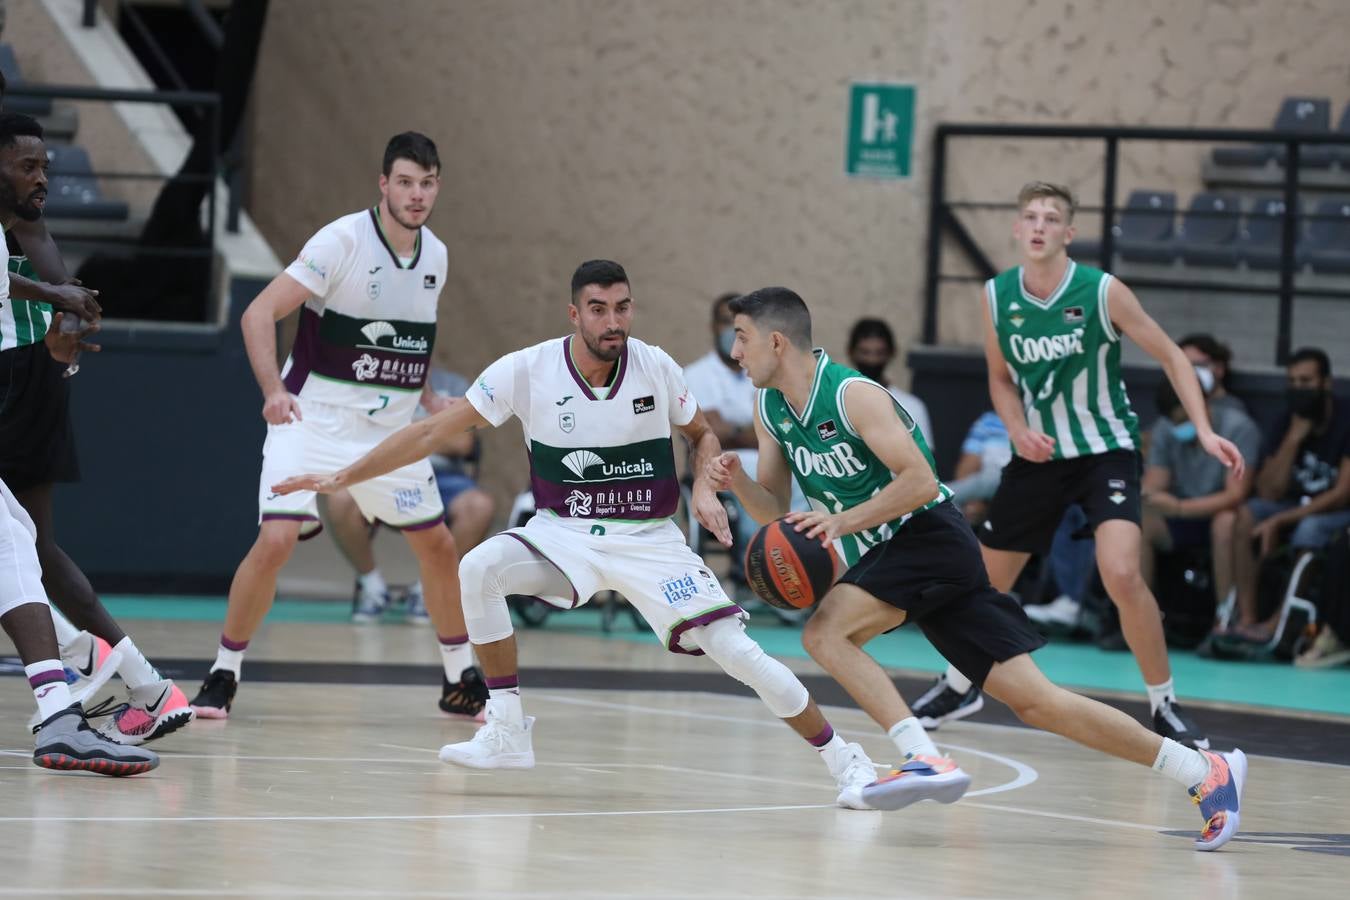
(871, 347)
(469, 511)
(1303, 483)
(984, 453)
(1205, 352)
(1190, 500)
(726, 396)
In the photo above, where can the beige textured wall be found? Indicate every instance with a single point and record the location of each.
(701, 143)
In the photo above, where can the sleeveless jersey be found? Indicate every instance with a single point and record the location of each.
(593, 459)
(833, 465)
(365, 336)
(1064, 356)
(22, 322)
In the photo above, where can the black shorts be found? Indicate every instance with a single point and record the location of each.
(1032, 497)
(37, 444)
(932, 569)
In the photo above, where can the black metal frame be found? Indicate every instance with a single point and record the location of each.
(941, 219)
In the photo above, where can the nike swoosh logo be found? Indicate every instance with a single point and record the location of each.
(88, 671)
(151, 707)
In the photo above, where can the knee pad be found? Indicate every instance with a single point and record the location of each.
(727, 644)
(486, 614)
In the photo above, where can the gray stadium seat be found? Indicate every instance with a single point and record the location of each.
(32, 106)
(72, 189)
(1308, 115)
(1209, 229)
(1327, 245)
(1259, 243)
(1323, 155)
(1145, 232)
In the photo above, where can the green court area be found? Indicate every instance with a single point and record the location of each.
(1072, 665)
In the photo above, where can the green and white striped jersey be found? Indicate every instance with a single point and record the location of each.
(1064, 356)
(21, 322)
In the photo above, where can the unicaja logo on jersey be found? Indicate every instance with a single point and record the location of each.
(840, 462)
(1059, 346)
(375, 331)
(578, 462)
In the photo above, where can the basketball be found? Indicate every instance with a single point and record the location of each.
(787, 569)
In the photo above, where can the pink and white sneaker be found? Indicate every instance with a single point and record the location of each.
(920, 778)
(154, 710)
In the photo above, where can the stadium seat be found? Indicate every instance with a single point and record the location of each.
(1307, 115)
(1323, 155)
(1327, 245)
(72, 189)
(1259, 243)
(1208, 230)
(32, 106)
(1145, 232)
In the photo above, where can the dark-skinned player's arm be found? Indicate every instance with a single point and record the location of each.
(765, 497)
(872, 411)
(405, 446)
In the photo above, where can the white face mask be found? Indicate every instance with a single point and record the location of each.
(726, 339)
(1206, 378)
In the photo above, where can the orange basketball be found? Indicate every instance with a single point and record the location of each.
(787, 569)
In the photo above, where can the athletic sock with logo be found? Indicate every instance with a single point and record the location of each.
(47, 678)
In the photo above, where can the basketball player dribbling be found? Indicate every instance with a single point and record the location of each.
(875, 495)
(598, 409)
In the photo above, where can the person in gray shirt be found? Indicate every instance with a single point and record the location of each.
(1190, 499)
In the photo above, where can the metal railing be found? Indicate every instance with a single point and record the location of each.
(942, 220)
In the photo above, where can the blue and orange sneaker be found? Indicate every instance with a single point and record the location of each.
(1219, 797)
(920, 778)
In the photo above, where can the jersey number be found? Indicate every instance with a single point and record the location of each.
(384, 402)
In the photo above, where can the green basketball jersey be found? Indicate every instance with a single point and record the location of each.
(22, 322)
(831, 463)
(1064, 356)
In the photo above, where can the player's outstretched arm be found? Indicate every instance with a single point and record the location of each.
(407, 445)
(1033, 446)
(769, 494)
(1128, 317)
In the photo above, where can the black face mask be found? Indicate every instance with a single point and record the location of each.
(1309, 403)
(872, 371)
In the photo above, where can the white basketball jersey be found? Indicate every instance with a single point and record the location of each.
(366, 334)
(593, 458)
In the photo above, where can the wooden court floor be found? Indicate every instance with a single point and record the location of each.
(333, 789)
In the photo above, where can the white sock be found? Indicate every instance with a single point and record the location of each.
(505, 703)
(1181, 764)
(47, 678)
(372, 582)
(456, 657)
(912, 740)
(958, 682)
(66, 633)
(1160, 693)
(134, 668)
(230, 661)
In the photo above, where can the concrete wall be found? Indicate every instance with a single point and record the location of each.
(701, 142)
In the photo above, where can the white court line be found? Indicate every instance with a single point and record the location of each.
(269, 890)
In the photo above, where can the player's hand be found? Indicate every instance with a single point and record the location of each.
(711, 514)
(1225, 451)
(721, 470)
(815, 524)
(1033, 446)
(75, 298)
(436, 403)
(65, 346)
(319, 484)
(281, 408)
(1268, 533)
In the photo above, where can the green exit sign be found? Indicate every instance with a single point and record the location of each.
(880, 130)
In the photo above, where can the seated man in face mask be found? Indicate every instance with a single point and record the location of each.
(1190, 499)
(1303, 486)
(871, 347)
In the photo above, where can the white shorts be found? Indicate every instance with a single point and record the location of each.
(20, 573)
(665, 581)
(329, 438)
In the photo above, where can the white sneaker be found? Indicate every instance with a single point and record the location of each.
(91, 661)
(1063, 612)
(852, 771)
(921, 778)
(497, 745)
